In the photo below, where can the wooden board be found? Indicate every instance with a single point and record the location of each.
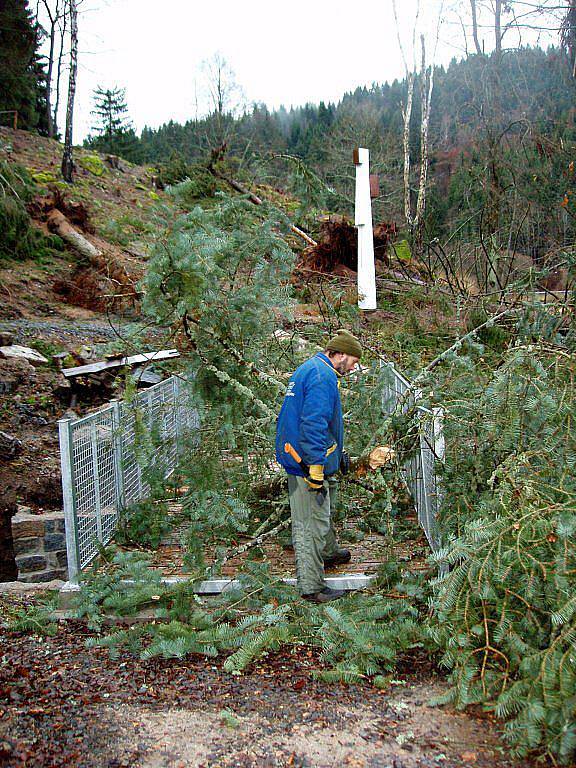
(146, 357)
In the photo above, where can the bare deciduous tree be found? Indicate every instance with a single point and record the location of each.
(54, 11)
(415, 220)
(474, 13)
(67, 161)
(223, 96)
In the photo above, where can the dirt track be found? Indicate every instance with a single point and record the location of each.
(64, 705)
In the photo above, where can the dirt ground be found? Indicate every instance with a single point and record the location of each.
(32, 399)
(62, 704)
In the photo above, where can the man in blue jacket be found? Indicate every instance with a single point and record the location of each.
(309, 445)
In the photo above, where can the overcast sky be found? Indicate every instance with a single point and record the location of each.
(282, 52)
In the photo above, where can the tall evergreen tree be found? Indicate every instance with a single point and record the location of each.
(113, 129)
(22, 77)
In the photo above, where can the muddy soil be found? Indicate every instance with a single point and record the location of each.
(62, 704)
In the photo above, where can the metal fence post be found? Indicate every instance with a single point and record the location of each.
(117, 449)
(96, 475)
(439, 442)
(66, 457)
(425, 481)
(177, 418)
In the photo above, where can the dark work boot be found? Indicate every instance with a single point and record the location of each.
(325, 596)
(339, 557)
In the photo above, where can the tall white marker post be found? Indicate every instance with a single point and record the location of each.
(363, 222)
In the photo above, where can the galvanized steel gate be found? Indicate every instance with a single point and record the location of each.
(102, 469)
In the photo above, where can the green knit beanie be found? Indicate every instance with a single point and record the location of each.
(346, 343)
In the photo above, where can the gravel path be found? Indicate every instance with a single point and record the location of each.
(24, 329)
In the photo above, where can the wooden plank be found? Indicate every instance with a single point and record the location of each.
(103, 365)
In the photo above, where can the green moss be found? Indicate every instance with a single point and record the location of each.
(93, 163)
(44, 177)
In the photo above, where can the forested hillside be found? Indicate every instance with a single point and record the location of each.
(500, 148)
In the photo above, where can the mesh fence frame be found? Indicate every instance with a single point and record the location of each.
(106, 456)
(420, 471)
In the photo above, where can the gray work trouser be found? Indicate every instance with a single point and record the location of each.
(313, 533)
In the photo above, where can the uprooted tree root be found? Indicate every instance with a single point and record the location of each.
(337, 250)
(75, 212)
(95, 290)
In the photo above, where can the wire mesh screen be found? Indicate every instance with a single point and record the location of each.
(92, 441)
(420, 472)
(108, 456)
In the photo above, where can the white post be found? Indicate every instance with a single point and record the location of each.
(66, 458)
(363, 222)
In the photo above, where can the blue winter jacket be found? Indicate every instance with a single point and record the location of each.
(311, 418)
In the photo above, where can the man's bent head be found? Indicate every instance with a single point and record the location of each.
(342, 362)
(344, 351)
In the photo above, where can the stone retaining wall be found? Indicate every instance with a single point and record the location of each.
(40, 546)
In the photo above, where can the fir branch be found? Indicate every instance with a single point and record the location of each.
(255, 542)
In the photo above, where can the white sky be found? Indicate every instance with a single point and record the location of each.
(282, 52)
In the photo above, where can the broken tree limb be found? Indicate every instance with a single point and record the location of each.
(248, 364)
(257, 201)
(249, 544)
(281, 507)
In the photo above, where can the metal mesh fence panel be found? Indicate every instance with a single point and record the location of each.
(107, 456)
(420, 472)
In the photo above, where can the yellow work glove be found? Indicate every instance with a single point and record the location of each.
(315, 477)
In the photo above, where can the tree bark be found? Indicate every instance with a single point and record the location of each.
(63, 25)
(406, 116)
(475, 27)
(498, 28)
(50, 68)
(67, 161)
(426, 85)
(59, 224)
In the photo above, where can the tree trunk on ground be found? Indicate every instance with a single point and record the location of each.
(67, 161)
(257, 201)
(8, 567)
(102, 262)
(59, 224)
